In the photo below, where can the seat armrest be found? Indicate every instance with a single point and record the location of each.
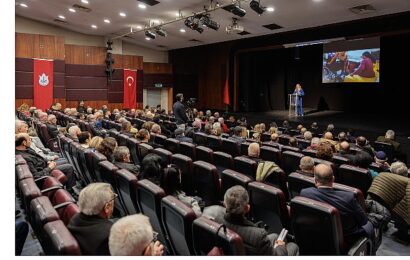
(362, 247)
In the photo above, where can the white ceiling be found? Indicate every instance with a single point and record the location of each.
(290, 14)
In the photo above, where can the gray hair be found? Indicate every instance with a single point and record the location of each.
(308, 135)
(307, 163)
(390, 134)
(156, 128)
(315, 140)
(74, 130)
(253, 150)
(399, 168)
(221, 120)
(130, 235)
(19, 124)
(120, 152)
(51, 117)
(236, 198)
(93, 198)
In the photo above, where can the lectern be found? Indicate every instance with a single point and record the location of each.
(293, 104)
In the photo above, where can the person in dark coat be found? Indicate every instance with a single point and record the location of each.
(52, 126)
(354, 220)
(180, 136)
(179, 111)
(91, 227)
(122, 160)
(81, 108)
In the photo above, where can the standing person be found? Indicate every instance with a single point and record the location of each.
(299, 94)
(179, 111)
(81, 108)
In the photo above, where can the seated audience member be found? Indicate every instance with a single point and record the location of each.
(180, 136)
(253, 152)
(389, 138)
(223, 125)
(81, 107)
(262, 127)
(286, 126)
(208, 129)
(354, 220)
(344, 151)
(43, 117)
(133, 236)
(52, 126)
(81, 116)
(256, 137)
(107, 147)
(273, 130)
(363, 144)
(380, 159)
(151, 168)
(255, 238)
(330, 128)
(171, 183)
(314, 129)
(91, 227)
(156, 129)
(308, 136)
(143, 136)
(307, 166)
(147, 125)
(342, 137)
(95, 142)
(84, 139)
(122, 160)
(399, 168)
(38, 165)
(126, 128)
(328, 138)
(350, 136)
(325, 152)
(236, 137)
(314, 144)
(73, 133)
(293, 142)
(216, 130)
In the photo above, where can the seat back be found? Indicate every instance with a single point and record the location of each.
(230, 178)
(200, 138)
(160, 139)
(265, 137)
(339, 160)
(291, 161)
(245, 166)
(271, 154)
(29, 191)
(206, 182)
(244, 148)
(284, 139)
(355, 177)
(65, 149)
(93, 159)
(42, 212)
(278, 179)
(187, 149)
(298, 182)
(186, 166)
(231, 147)
(165, 156)
(223, 161)
(19, 160)
(204, 154)
(313, 217)
(303, 144)
(172, 145)
(59, 239)
(149, 198)
(385, 147)
(75, 147)
(62, 201)
(126, 186)
(269, 205)
(177, 219)
(144, 149)
(214, 142)
(82, 154)
(132, 145)
(290, 148)
(208, 234)
(358, 194)
(122, 140)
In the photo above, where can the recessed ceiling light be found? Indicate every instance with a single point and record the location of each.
(142, 6)
(147, 38)
(71, 10)
(270, 9)
(317, 1)
(94, 26)
(23, 5)
(84, 1)
(61, 17)
(123, 14)
(155, 21)
(107, 21)
(182, 30)
(139, 27)
(177, 14)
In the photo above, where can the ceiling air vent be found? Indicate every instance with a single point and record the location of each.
(363, 9)
(149, 2)
(129, 37)
(81, 8)
(194, 40)
(272, 26)
(161, 46)
(60, 21)
(244, 33)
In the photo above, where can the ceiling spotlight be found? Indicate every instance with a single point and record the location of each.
(206, 20)
(270, 9)
(182, 30)
(147, 38)
(23, 5)
(123, 14)
(71, 10)
(236, 10)
(84, 1)
(256, 6)
(61, 17)
(192, 22)
(139, 27)
(161, 32)
(107, 21)
(150, 34)
(94, 26)
(142, 6)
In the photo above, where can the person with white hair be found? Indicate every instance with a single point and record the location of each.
(399, 168)
(73, 132)
(389, 138)
(91, 227)
(52, 126)
(223, 125)
(314, 143)
(133, 236)
(307, 166)
(253, 152)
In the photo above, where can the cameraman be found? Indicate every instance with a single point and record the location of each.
(179, 111)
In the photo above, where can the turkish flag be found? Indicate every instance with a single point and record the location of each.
(226, 93)
(43, 83)
(130, 89)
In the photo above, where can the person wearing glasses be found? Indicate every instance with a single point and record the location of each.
(133, 236)
(91, 227)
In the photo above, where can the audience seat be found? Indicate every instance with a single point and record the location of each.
(313, 217)
(208, 234)
(65, 149)
(188, 149)
(223, 161)
(93, 159)
(230, 147)
(185, 165)
(29, 191)
(387, 148)
(160, 139)
(126, 186)
(64, 204)
(122, 140)
(244, 148)
(269, 153)
(19, 160)
(355, 177)
(74, 151)
(204, 154)
(268, 204)
(265, 137)
(200, 138)
(82, 154)
(132, 145)
(144, 149)
(291, 161)
(42, 212)
(310, 152)
(214, 142)
(177, 219)
(246, 166)
(206, 182)
(59, 240)
(230, 178)
(284, 139)
(339, 160)
(298, 182)
(165, 156)
(172, 145)
(278, 179)
(271, 144)
(290, 148)
(303, 144)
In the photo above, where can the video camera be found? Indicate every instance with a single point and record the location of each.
(191, 102)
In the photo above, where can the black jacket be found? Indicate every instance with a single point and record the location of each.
(52, 130)
(37, 165)
(92, 233)
(134, 169)
(179, 113)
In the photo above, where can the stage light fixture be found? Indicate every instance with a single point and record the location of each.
(193, 23)
(237, 10)
(161, 32)
(256, 6)
(206, 20)
(150, 34)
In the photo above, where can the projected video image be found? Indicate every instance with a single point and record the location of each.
(351, 66)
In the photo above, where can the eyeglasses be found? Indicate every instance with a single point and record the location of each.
(115, 196)
(154, 236)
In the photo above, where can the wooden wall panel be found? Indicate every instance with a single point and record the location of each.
(157, 68)
(90, 55)
(24, 45)
(128, 62)
(39, 46)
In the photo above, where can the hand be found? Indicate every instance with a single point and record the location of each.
(51, 165)
(56, 157)
(279, 242)
(154, 249)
